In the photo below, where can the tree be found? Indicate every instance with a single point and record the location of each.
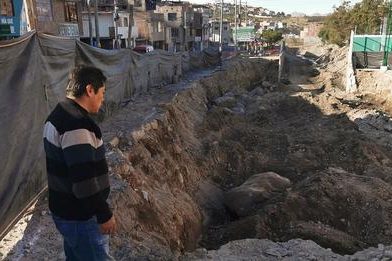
(271, 36)
(337, 26)
(365, 16)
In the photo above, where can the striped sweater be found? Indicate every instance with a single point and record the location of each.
(76, 166)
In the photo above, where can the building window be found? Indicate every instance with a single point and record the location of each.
(172, 16)
(125, 22)
(6, 8)
(174, 32)
(71, 11)
(138, 3)
(44, 10)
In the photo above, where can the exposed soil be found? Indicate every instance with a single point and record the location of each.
(183, 161)
(306, 132)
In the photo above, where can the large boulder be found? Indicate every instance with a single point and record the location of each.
(243, 200)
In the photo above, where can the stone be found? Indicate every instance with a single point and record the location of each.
(114, 142)
(278, 252)
(145, 195)
(267, 84)
(238, 110)
(244, 199)
(388, 253)
(225, 101)
(257, 92)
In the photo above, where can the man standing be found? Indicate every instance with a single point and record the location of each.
(77, 170)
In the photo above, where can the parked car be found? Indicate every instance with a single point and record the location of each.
(143, 48)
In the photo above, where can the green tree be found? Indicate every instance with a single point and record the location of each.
(271, 36)
(365, 17)
(337, 26)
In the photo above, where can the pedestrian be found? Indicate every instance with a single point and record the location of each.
(77, 171)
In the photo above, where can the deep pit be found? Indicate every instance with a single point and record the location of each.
(236, 155)
(317, 176)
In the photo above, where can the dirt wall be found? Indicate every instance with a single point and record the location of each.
(160, 166)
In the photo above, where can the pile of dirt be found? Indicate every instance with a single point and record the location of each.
(296, 249)
(374, 87)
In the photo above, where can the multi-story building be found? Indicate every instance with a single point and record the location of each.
(201, 17)
(272, 25)
(175, 15)
(61, 18)
(109, 27)
(151, 26)
(187, 25)
(11, 12)
(227, 36)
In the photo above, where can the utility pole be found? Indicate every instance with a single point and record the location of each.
(239, 15)
(246, 13)
(115, 19)
(90, 25)
(130, 24)
(214, 14)
(221, 29)
(97, 24)
(235, 24)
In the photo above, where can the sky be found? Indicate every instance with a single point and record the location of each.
(290, 6)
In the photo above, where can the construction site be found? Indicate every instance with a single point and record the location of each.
(257, 159)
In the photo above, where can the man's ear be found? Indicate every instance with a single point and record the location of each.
(89, 90)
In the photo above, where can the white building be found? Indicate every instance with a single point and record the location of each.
(227, 35)
(272, 25)
(107, 28)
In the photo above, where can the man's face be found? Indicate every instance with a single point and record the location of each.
(96, 99)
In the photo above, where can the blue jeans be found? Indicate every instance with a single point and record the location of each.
(83, 240)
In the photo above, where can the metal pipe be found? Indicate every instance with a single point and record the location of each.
(388, 35)
(97, 24)
(130, 24)
(115, 18)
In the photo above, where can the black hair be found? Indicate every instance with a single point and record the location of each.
(82, 76)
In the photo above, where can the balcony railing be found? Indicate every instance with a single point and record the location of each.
(68, 29)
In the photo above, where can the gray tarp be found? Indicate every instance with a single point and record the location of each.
(22, 113)
(33, 73)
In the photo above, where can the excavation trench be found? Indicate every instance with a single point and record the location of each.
(235, 156)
